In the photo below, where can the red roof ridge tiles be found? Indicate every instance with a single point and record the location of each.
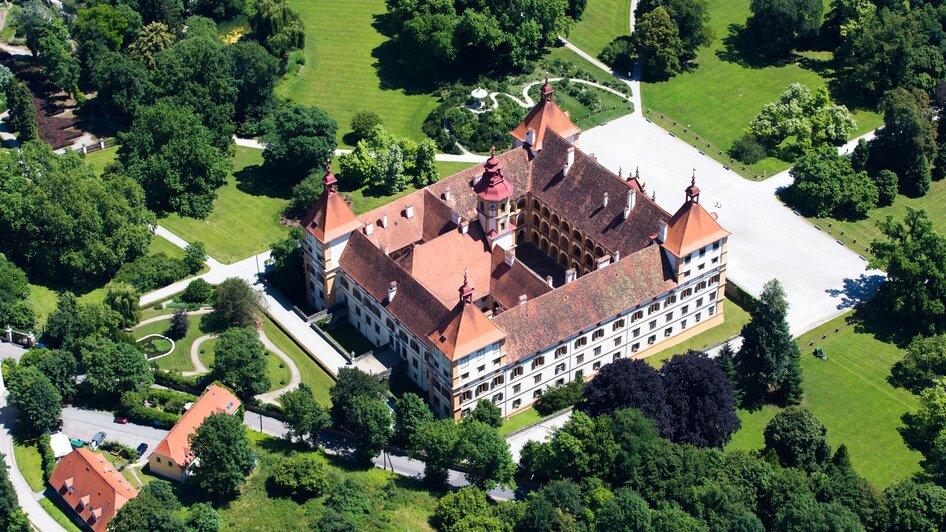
(692, 227)
(545, 115)
(466, 329)
(330, 216)
(176, 444)
(86, 479)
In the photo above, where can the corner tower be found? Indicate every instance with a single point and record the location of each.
(546, 114)
(494, 204)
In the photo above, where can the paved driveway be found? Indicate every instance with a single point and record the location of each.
(821, 277)
(83, 424)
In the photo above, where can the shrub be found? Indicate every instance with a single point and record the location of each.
(302, 476)
(198, 291)
(619, 53)
(151, 272)
(194, 255)
(560, 397)
(179, 325)
(120, 449)
(886, 181)
(748, 149)
(362, 124)
(177, 381)
(47, 458)
(169, 400)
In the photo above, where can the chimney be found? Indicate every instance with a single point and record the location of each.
(631, 202)
(569, 160)
(548, 281)
(570, 275)
(385, 250)
(604, 201)
(455, 218)
(510, 257)
(522, 299)
(446, 195)
(617, 256)
(369, 229)
(530, 137)
(384, 221)
(662, 232)
(409, 212)
(464, 228)
(603, 261)
(392, 291)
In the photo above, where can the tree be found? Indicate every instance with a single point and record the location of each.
(255, 72)
(240, 361)
(656, 41)
(914, 294)
(32, 21)
(907, 142)
(910, 505)
(36, 399)
(886, 182)
(560, 397)
(167, 12)
(106, 27)
(370, 421)
(305, 193)
(812, 119)
(71, 322)
(236, 303)
(12, 518)
(410, 414)
(179, 325)
(777, 26)
(556, 506)
(58, 365)
(300, 142)
(626, 383)
(627, 511)
(362, 123)
(113, 368)
(225, 455)
(302, 476)
(691, 18)
(153, 39)
(218, 9)
(769, 357)
(700, 406)
(278, 27)
(285, 259)
(172, 155)
(124, 300)
(425, 164)
(748, 149)
(15, 307)
(925, 430)
(486, 456)
(150, 510)
(56, 59)
(22, 111)
(826, 185)
(203, 518)
(194, 256)
(198, 291)
(923, 364)
(123, 83)
(353, 383)
(457, 507)
(439, 449)
(304, 416)
(798, 438)
(488, 413)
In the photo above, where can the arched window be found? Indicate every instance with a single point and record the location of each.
(589, 261)
(576, 251)
(545, 212)
(589, 245)
(555, 220)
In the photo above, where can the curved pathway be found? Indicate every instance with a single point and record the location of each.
(199, 366)
(294, 376)
(527, 101)
(202, 310)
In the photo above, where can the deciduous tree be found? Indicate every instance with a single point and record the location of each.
(626, 512)
(22, 111)
(153, 39)
(124, 300)
(410, 414)
(626, 383)
(278, 26)
(776, 26)
(240, 361)
(236, 303)
(656, 41)
(15, 307)
(12, 518)
(907, 142)
(488, 413)
(691, 18)
(439, 448)
(825, 185)
(371, 422)
(925, 430)
(351, 384)
(700, 405)
(255, 72)
(36, 399)
(923, 364)
(122, 82)
(798, 438)
(225, 455)
(301, 140)
(113, 368)
(305, 417)
(486, 456)
(58, 365)
(302, 475)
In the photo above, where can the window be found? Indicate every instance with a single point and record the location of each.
(358, 311)
(618, 324)
(579, 359)
(560, 382)
(497, 398)
(697, 317)
(597, 334)
(668, 331)
(685, 309)
(653, 308)
(703, 252)
(481, 369)
(464, 412)
(465, 376)
(636, 347)
(711, 311)
(158, 458)
(653, 324)
(715, 246)
(687, 293)
(714, 279)
(536, 394)
(651, 339)
(711, 296)
(414, 346)
(670, 301)
(715, 260)
(559, 368)
(389, 324)
(377, 328)
(482, 388)
(701, 285)
(538, 362)
(466, 396)
(686, 274)
(561, 351)
(701, 267)
(517, 371)
(699, 302)
(414, 361)
(497, 361)
(344, 282)
(636, 333)
(637, 315)
(581, 341)
(516, 388)
(596, 366)
(669, 317)
(516, 403)
(538, 378)
(598, 351)
(499, 379)
(683, 324)
(617, 341)
(687, 259)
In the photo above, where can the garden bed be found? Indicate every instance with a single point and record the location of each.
(156, 346)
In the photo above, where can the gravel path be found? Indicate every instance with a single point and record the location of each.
(195, 356)
(294, 376)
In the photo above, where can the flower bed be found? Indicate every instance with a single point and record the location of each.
(156, 346)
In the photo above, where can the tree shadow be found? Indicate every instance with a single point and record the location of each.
(740, 48)
(393, 74)
(856, 292)
(874, 318)
(258, 180)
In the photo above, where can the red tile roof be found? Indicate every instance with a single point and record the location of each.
(592, 298)
(466, 329)
(516, 167)
(330, 217)
(440, 263)
(85, 478)
(692, 228)
(176, 445)
(429, 219)
(546, 115)
(507, 283)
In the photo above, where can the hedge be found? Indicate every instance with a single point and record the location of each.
(122, 450)
(48, 459)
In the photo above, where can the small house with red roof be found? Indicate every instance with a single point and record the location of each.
(173, 458)
(524, 272)
(91, 486)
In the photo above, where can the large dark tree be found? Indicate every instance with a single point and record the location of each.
(59, 366)
(62, 222)
(824, 184)
(15, 307)
(923, 364)
(225, 455)
(287, 271)
(910, 505)
(255, 72)
(22, 111)
(168, 12)
(486, 456)
(123, 83)
(915, 293)
(907, 142)
(656, 41)
(626, 512)
(146, 512)
(304, 416)
(558, 505)
(278, 27)
(35, 398)
(798, 439)
(626, 383)
(353, 383)
(769, 359)
(691, 18)
(371, 422)
(776, 26)
(439, 448)
(172, 155)
(236, 304)
(114, 367)
(410, 414)
(217, 9)
(700, 405)
(72, 321)
(488, 413)
(301, 141)
(240, 361)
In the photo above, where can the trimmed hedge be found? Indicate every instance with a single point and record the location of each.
(122, 450)
(47, 458)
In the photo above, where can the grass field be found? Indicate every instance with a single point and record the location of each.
(522, 419)
(735, 318)
(100, 159)
(246, 215)
(612, 106)
(601, 23)
(276, 369)
(719, 98)
(394, 503)
(340, 74)
(858, 235)
(849, 393)
(312, 373)
(180, 358)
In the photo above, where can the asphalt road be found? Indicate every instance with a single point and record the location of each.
(83, 424)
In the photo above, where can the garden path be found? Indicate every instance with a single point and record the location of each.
(294, 379)
(195, 356)
(442, 157)
(202, 310)
(527, 101)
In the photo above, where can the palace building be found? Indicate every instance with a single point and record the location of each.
(525, 272)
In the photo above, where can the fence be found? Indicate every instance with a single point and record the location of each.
(20, 338)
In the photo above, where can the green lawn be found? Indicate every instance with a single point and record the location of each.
(859, 234)
(163, 245)
(180, 358)
(849, 393)
(364, 200)
(394, 503)
(351, 339)
(312, 373)
(601, 23)
(612, 106)
(719, 98)
(340, 73)
(246, 215)
(100, 159)
(44, 301)
(735, 318)
(522, 419)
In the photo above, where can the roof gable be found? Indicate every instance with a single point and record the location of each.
(176, 444)
(86, 478)
(330, 217)
(692, 228)
(545, 115)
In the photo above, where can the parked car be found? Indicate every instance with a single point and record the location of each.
(97, 440)
(142, 449)
(121, 420)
